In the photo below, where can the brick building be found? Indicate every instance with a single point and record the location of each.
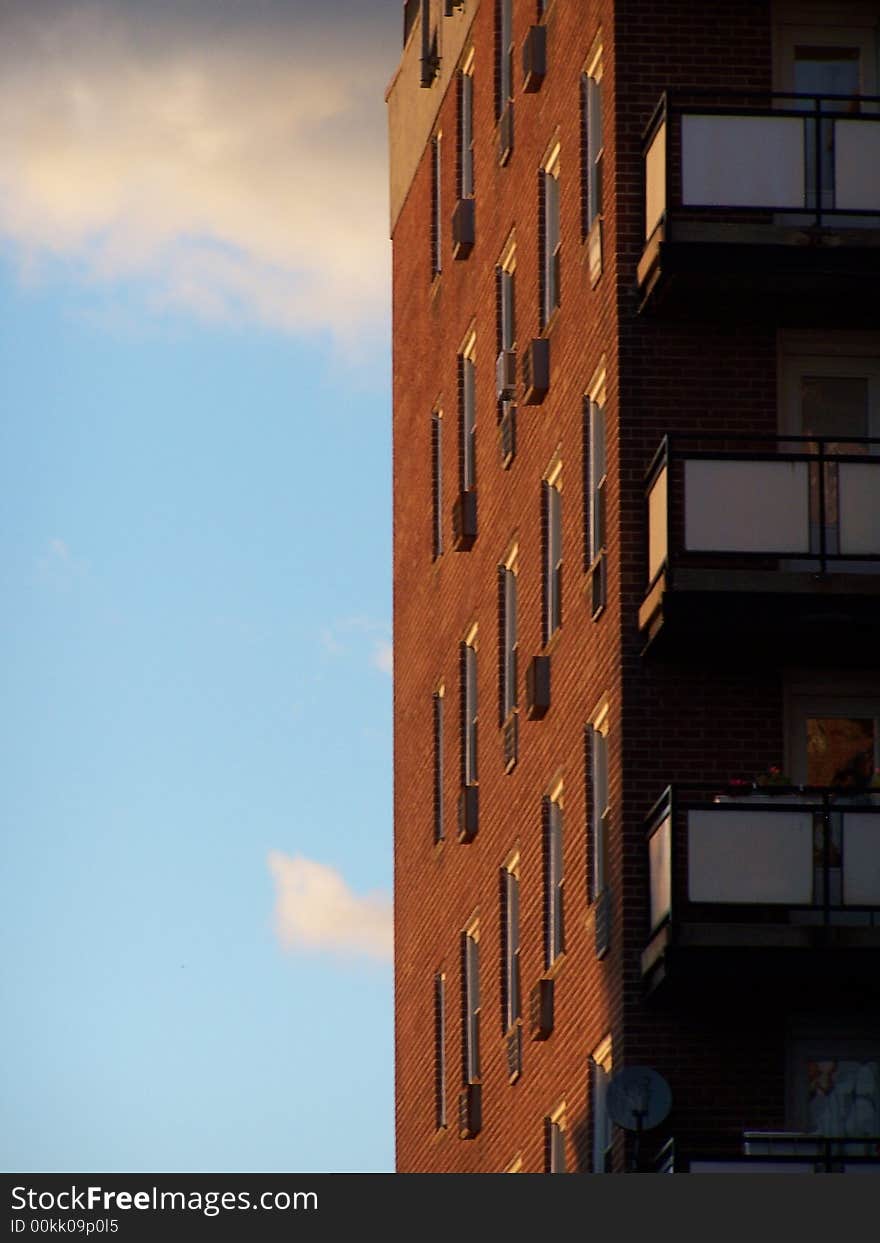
(636, 360)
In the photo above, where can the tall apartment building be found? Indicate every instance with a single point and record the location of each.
(637, 581)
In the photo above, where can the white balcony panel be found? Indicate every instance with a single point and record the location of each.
(657, 509)
(859, 508)
(746, 506)
(661, 872)
(861, 859)
(751, 1167)
(750, 856)
(742, 161)
(655, 181)
(857, 166)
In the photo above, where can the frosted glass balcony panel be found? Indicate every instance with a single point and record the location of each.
(861, 859)
(661, 872)
(756, 856)
(857, 166)
(742, 161)
(655, 181)
(657, 510)
(747, 506)
(859, 503)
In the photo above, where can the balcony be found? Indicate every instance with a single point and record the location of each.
(756, 1152)
(765, 206)
(763, 545)
(792, 873)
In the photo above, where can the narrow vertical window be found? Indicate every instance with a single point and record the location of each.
(504, 62)
(472, 1005)
(554, 940)
(468, 420)
(509, 640)
(436, 483)
(599, 810)
(439, 1050)
(511, 999)
(436, 211)
(466, 136)
(505, 277)
(552, 569)
(591, 99)
(549, 238)
(469, 713)
(592, 154)
(508, 308)
(437, 703)
(600, 1073)
(596, 481)
(554, 1141)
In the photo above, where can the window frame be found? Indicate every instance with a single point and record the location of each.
(600, 807)
(436, 205)
(555, 1141)
(470, 710)
(553, 552)
(601, 1065)
(466, 184)
(504, 48)
(554, 878)
(441, 1120)
(592, 143)
(508, 665)
(437, 483)
(550, 237)
(511, 975)
(437, 707)
(471, 1003)
(468, 419)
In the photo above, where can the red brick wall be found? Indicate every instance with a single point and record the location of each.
(668, 722)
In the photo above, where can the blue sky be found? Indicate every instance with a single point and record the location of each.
(195, 554)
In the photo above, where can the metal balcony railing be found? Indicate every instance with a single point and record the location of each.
(767, 1152)
(809, 160)
(782, 854)
(721, 500)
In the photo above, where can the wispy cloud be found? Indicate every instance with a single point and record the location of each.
(335, 639)
(315, 910)
(383, 657)
(235, 167)
(56, 566)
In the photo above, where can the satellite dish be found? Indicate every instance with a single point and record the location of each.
(638, 1099)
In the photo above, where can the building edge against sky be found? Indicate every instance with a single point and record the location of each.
(636, 379)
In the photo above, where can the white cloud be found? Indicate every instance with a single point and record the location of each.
(316, 910)
(236, 168)
(56, 566)
(383, 657)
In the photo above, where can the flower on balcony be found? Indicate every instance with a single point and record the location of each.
(773, 776)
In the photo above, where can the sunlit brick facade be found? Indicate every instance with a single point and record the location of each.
(636, 369)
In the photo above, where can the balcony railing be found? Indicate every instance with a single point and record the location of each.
(769, 1153)
(786, 855)
(764, 502)
(814, 160)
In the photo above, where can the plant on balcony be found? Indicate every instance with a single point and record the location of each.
(772, 778)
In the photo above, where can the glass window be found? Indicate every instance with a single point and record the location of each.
(472, 1005)
(510, 943)
(509, 630)
(553, 563)
(555, 935)
(470, 714)
(468, 423)
(466, 136)
(439, 1050)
